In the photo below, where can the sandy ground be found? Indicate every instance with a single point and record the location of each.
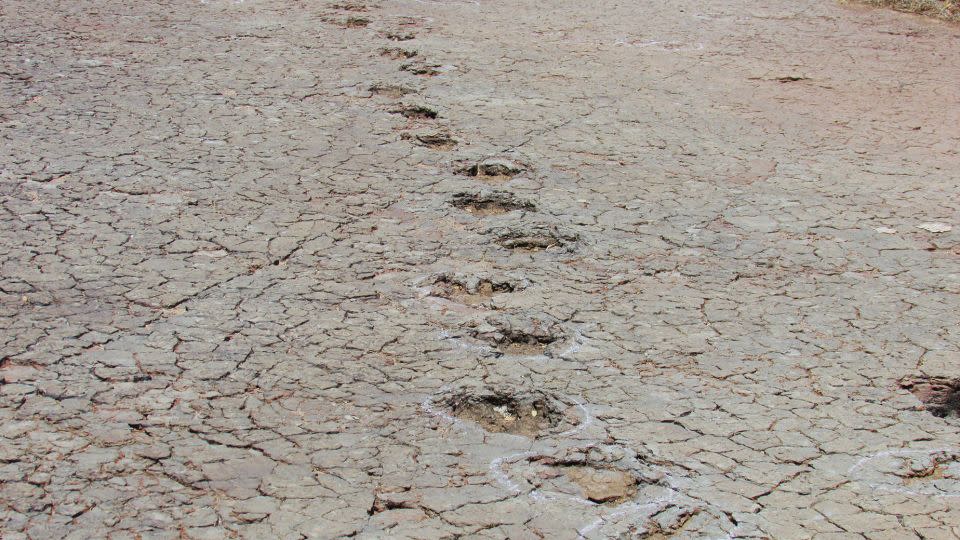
(477, 269)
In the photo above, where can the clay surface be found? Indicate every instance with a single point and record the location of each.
(705, 242)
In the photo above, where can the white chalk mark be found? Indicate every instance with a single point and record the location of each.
(585, 419)
(502, 478)
(895, 483)
(631, 509)
(628, 509)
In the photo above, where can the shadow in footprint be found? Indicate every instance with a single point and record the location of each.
(490, 204)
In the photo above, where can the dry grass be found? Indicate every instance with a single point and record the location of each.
(943, 9)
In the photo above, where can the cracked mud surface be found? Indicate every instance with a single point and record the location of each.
(218, 236)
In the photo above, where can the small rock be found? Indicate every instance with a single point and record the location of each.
(602, 485)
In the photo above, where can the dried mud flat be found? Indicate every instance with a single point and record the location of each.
(465, 269)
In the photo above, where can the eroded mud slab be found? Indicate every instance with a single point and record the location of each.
(601, 485)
